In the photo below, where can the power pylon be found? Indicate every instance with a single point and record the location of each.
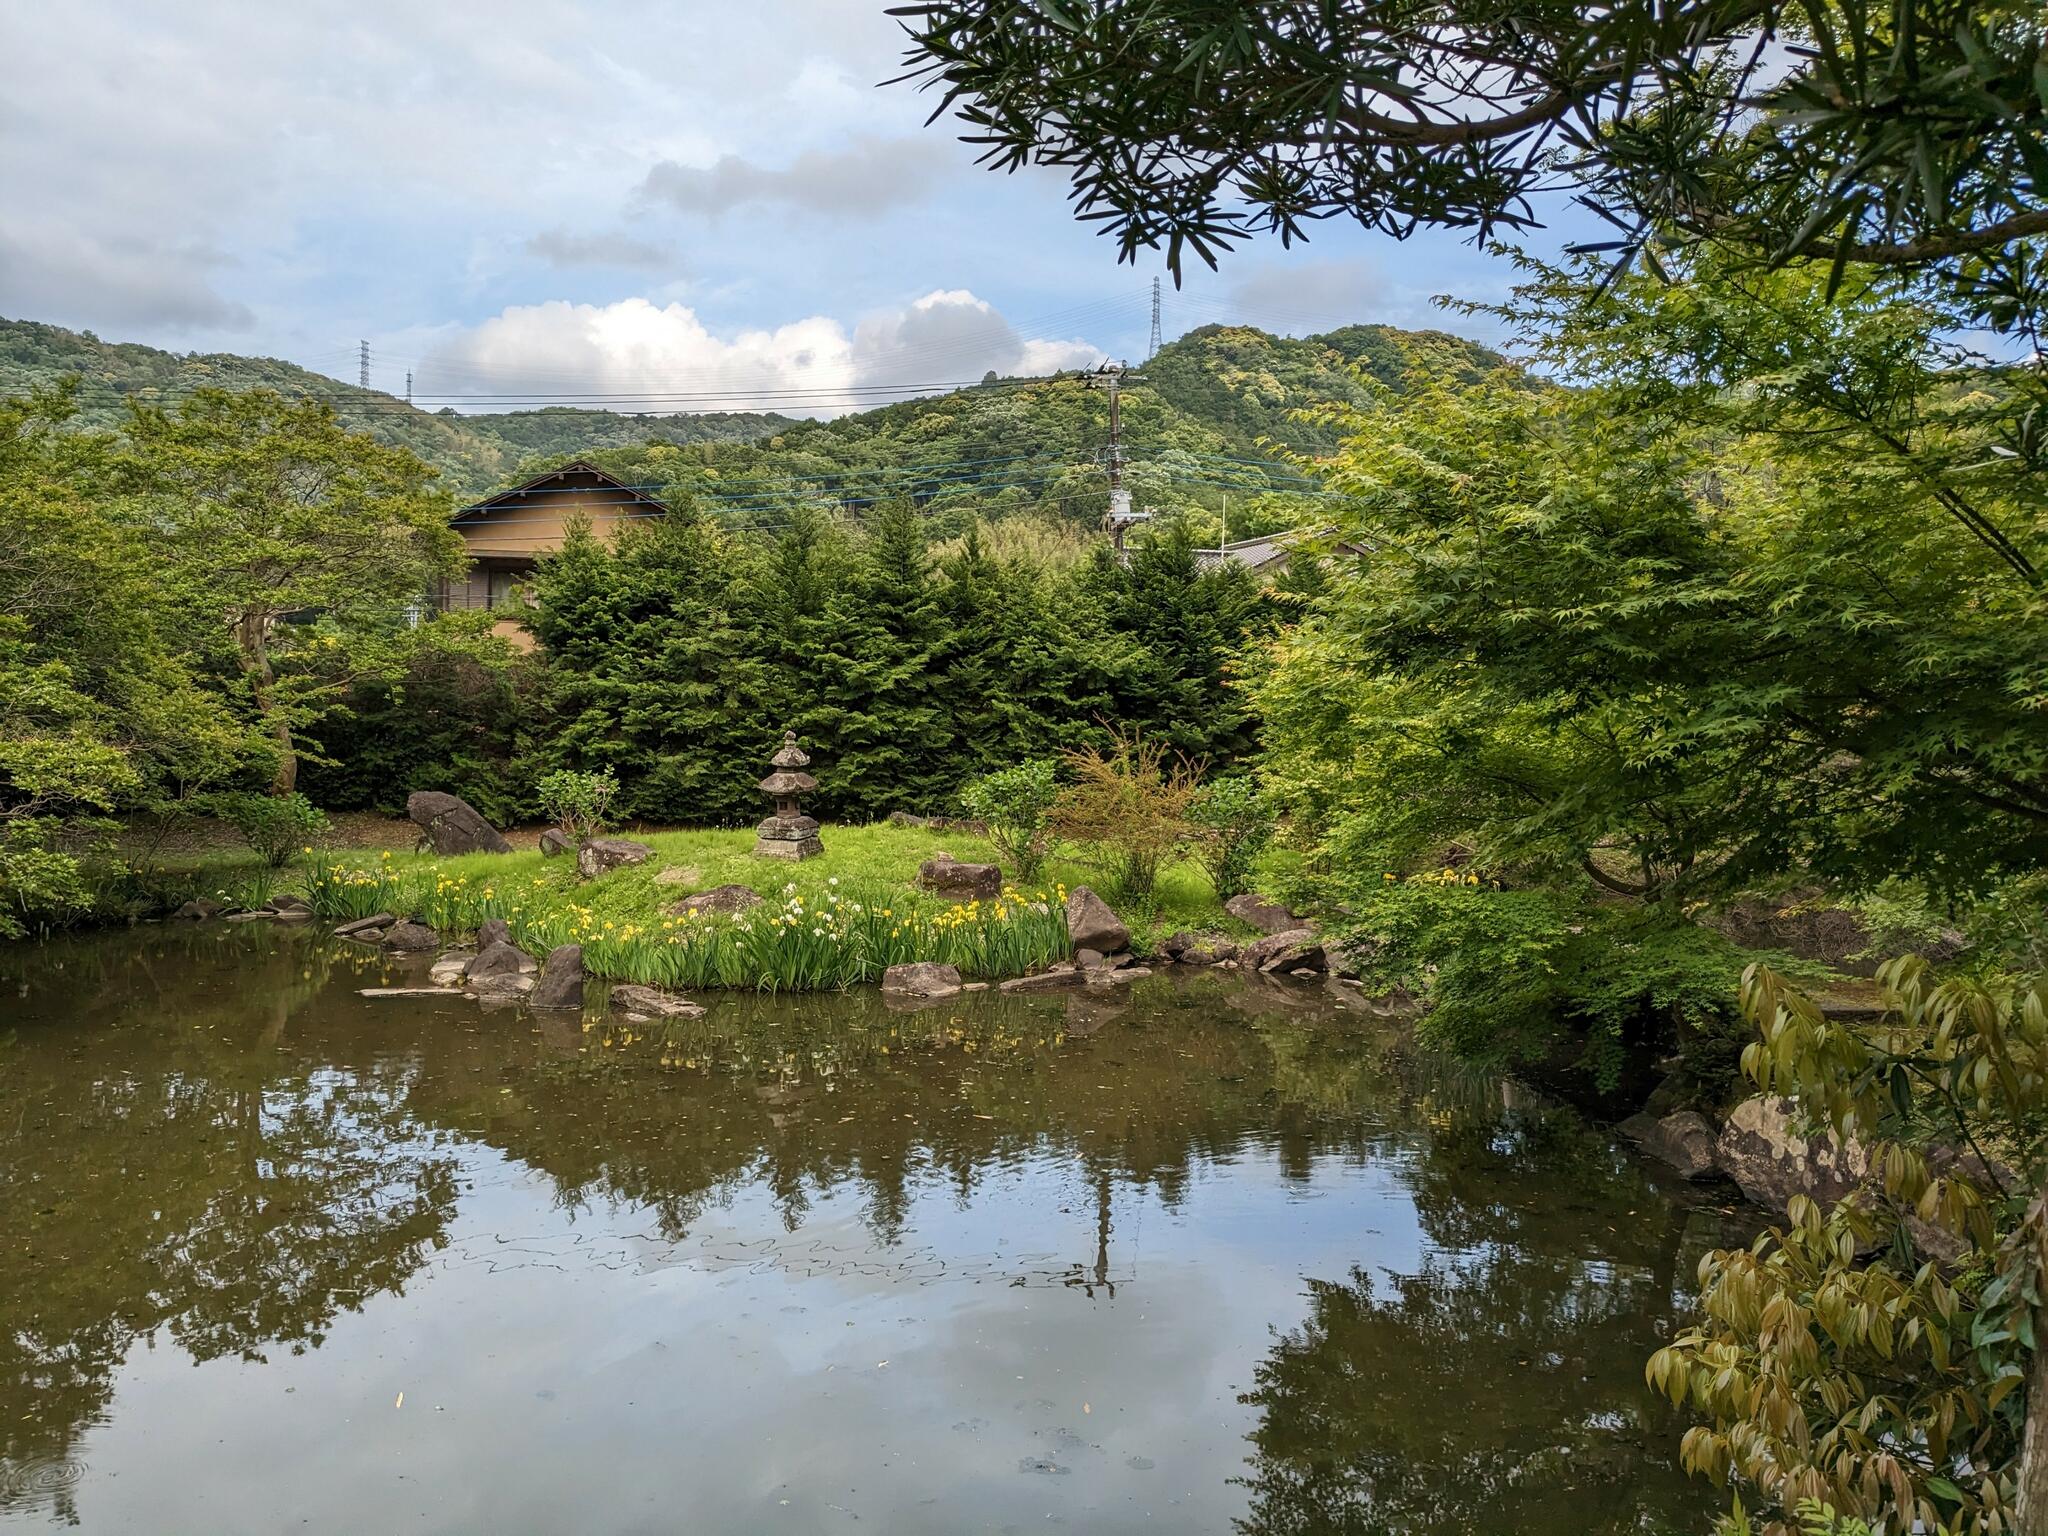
(1152, 350)
(363, 370)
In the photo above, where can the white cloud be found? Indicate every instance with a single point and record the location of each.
(950, 335)
(635, 355)
(868, 177)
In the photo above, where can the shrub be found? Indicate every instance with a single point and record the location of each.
(275, 826)
(1232, 825)
(1016, 807)
(1520, 977)
(1127, 810)
(578, 803)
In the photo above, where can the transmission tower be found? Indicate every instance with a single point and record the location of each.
(408, 386)
(363, 357)
(1152, 350)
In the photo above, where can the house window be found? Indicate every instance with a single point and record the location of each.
(499, 593)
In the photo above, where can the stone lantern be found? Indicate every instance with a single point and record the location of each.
(789, 833)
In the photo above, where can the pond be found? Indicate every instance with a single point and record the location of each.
(1214, 1254)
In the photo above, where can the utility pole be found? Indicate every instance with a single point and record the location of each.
(1152, 350)
(363, 371)
(1113, 377)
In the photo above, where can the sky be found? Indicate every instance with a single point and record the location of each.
(667, 206)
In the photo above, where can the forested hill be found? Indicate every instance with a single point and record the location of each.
(474, 452)
(1246, 383)
(1199, 427)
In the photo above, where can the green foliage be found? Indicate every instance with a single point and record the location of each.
(1533, 978)
(1015, 805)
(267, 511)
(276, 827)
(473, 452)
(677, 655)
(1733, 613)
(341, 889)
(1890, 1389)
(1125, 809)
(443, 708)
(1908, 135)
(795, 945)
(1253, 386)
(100, 707)
(577, 803)
(1231, 825)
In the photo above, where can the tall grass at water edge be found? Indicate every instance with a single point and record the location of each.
(815, 941)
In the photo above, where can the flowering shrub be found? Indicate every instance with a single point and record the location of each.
(342, 892)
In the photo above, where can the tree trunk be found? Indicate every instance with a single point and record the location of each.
(252, 637)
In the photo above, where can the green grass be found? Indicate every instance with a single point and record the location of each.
(827, 922)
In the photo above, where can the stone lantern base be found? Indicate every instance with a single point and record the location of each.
(787, 837)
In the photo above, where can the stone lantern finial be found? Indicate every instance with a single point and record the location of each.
(788, 833)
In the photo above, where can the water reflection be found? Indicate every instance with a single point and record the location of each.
(1211, 1255)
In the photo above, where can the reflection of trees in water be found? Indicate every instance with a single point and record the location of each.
(264, 1157)
(173, 1179)
(1500, 1387)
(1498, 1392)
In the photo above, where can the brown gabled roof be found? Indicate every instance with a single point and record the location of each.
(575, 467)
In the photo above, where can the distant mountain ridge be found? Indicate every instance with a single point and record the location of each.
(473, 452)
(1212, 407)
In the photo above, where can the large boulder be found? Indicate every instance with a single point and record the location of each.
(198, 909)
(946, 876)
(410, 936)
(1091, 924)
(1266, 916)
(637, 1002)
(1684, 1140)
(1762, 1150)
(602, 855)
(561, 979)
(554, 843)
(493, 930)
(450, 825)
(499, 959)
(1295, 949)
(720, 901)
(922, 979)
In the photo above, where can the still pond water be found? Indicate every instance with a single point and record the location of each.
(1213, 1256)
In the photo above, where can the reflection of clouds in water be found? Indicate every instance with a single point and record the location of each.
(966, 1269)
